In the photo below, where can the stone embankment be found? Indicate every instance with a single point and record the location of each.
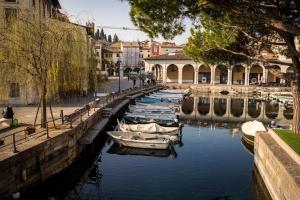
(27, 160)
(278, 165)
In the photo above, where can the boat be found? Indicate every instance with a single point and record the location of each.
(129, 139)
(153, 115)
(176, 91)
(148, 100)
(159, 104)
(151, 108)
(147, 120)
(151, 128)
(249, 130)
(147, 111)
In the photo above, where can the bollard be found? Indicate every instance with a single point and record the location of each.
(14, 144)
(62, 116)
(47, 130)
(80, 115)
(88, 111)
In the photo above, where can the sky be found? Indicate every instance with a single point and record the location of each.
(109, 13)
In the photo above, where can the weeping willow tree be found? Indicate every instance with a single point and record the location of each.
(49, 54)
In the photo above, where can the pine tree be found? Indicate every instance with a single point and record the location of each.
(102, 35)
(116, 38)
(109, 39)
(97, 34)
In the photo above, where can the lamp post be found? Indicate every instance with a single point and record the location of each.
(118, 65)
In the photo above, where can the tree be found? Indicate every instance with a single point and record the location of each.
(116, 38)
(46, 54)
(97, 34)
(239, 28)
(109, 39)
(133, 76)
(142, 77)
(105, 37)
(102, 35)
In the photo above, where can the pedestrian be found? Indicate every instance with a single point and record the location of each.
(8, 113)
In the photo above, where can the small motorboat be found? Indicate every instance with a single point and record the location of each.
(176, 91)
(139, 140)
(146, 120)
(151, 128)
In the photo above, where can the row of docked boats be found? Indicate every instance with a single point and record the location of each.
(152, 123)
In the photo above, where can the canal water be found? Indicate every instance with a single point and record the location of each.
(210, 162)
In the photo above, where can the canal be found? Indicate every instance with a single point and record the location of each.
(210, 162)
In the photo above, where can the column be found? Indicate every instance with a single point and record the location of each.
(196, 76)
(228, 106)
(212, 75)
(259, 78)
(247, 76)
(229, 76)
(180, 74)
(266, 75)
(164, 74)
(245, 110)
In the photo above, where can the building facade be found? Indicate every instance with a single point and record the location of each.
(179, 68)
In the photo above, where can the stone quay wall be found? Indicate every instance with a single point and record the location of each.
(47, 157)
(278, 165)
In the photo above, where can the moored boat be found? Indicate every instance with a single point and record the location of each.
(138, 140)
(151, 128)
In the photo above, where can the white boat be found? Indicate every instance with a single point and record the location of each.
(178, 91)
(251, 127)
(147, 111)
(151, 128)
(138, 140)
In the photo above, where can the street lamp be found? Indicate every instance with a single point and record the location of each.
(118, 65)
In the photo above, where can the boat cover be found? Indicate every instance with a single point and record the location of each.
(146, 128)
(251, 127)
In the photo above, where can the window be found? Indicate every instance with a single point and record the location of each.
(33, 3)
(118, 55)
(13, 1)
(10, 14)
(97, 53)
(14, 90)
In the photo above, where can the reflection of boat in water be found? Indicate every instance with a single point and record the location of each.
(248, 144)
(116, 149)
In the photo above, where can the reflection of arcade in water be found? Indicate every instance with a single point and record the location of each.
(233, 109)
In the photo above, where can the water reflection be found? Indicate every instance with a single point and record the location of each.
(188, 106)
(235, 109)
(203, 105)
(220, 106)
(272, 110)
(116, 149)
(254, 108)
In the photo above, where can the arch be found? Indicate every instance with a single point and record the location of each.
(221, 74)
(188, 106)
(238, 75)
(188, 74)
(237, 107)
(220, 106)
(254, 108)
(203, 105)
(157, 71)
(272, 110)
(256, 74)
(288, 113)
(172, 74)
(271, 77)
(204, 74)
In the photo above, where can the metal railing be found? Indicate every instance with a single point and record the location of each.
(21, 136)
